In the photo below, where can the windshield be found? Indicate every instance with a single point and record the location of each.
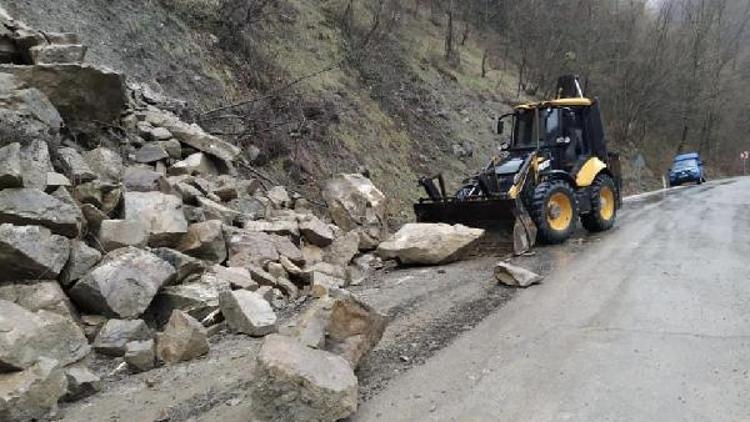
(685, 164)
(523, 134)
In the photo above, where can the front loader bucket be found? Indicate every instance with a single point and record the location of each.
(504, 218)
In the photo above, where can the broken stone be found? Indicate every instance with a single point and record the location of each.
(56, 180)
(356, 204)
(249, 248)
(249, 208)
(140, 355)
(316, 232)
(106, 163)
(236, 277)
(343, 249)
(429, 244)
(31, 252)
(226, 188)
(123, 284)
(91, 325)
(104, 196)
(32, 393)
(11, 173)
(195, 137)
(279, 197)
(183, 339)
(82, 383)
(322, 284)
(140, 179)
(205, 241)
(117, 333)
(39, 295)
(93, 216)
(172, 147)
(21, 206)
(115, 234)
(188, 268)
(296, 383)
(247, 312)
(26, 115)
(82, 259)
(198, 299)
(25, 336)
(151, 153)
(215, 211)
(161, 215)
(286, 248)
(35, 165)
(57, 53)
(81, 93)
(281, 228)
(74, 166)
(197, 163)
(261, 276)
(513, 275)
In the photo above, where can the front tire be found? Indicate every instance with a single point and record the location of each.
(555, 211)
(603, 205)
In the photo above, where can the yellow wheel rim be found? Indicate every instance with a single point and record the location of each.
(559, 211)
(606, 203)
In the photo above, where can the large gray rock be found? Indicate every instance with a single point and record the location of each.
(140, 179)
(35, 164)
(82, 383)
(183, 339)
(117, 333)
(114, 234)
(81, 93)
(82, 259)
(195, 137)
(11, 170)
(250, 248)
(343, 249)
(123, 284)
(161, 214)
(26, 114)
(21, 206)
(428, 243)
(58, 53)
(32, 393)
(315, 231)
(515, 276)
(74, 166)
(195, 164)
(107, 164)
(188, 268)
(36, 295)
(140, 355)
(344, 326)
(296, 383)
(197, 298)
(247, 312)
(356, 204)
(26, 336)
(205, 241)
(31, 252)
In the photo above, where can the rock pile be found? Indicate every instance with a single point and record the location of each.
(127, 231)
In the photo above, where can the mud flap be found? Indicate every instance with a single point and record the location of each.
(524, 230)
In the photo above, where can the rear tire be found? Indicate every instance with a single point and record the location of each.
(603, 205)
(554, 211)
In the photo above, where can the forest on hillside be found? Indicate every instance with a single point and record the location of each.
(673, 75)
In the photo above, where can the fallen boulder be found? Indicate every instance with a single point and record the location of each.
(123, 284)
(81, 93)
(183, 339)
(296, 383)
(140, 355)
(115, 234)
(315, 231)
(515, 276)
(356, 204)
(429, 244)
(161, 214)
(198, 299)
(31, 252)
(30, 394)
(74, 166)
(205, 241)
(247, 312)
(117, 333)
(26, 336)
(11, 173)
(107, 164)
(26, 114)
(37, 295)
(81, 383)
(22, 206)
(82, 259)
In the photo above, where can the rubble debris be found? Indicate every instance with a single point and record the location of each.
(429, 243)
(81, 383)
(248, 312)
(140, 355)
(515, 276)
(117, 333)
(31, 252)
(296, 383)
(356, 204)
(183, 339)
(30, 394)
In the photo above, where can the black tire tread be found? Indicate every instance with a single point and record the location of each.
(539, 212)
(593, 221)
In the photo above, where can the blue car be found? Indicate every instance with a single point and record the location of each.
(686, 168)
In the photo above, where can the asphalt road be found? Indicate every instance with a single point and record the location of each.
(649, 322)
